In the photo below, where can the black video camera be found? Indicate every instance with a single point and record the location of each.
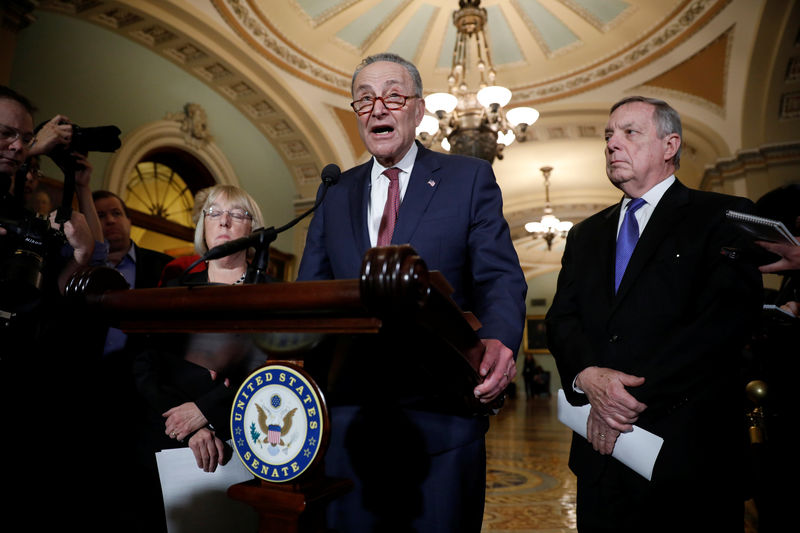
(30, 242)
(85, 140)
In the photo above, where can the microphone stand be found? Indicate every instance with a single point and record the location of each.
(257, 269)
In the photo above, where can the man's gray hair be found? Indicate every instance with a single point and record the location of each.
(392, 58)
(668, 120)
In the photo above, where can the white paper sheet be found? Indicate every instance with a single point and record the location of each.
(198, 501)
(637, 449)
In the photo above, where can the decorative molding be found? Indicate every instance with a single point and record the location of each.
(601, 26)
(16, 15)
(539, 38)
(790, 106)
(168, 132)
(254, 28)
(746, 161)
(687, 21)
(340, 6)
(207, 66)
(194, 124)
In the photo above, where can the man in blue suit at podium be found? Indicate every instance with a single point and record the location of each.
(417, 464)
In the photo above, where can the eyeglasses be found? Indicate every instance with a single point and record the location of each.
(9, 134)
(239, 215)
(392, 102)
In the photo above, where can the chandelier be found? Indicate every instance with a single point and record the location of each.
(467, 121)
(549, 227)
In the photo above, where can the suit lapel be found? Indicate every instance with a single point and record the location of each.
(607, 248)
(422, 185)
(663, 219)
(359, 200)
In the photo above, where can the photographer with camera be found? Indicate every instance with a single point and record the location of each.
(25, 241)
(43, 359)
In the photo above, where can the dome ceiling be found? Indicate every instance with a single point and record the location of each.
(542, 49)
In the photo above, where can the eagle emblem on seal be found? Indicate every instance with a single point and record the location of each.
(274, 432)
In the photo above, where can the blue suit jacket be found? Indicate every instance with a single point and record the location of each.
(452, 215)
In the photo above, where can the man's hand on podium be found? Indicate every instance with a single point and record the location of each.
(497, 369)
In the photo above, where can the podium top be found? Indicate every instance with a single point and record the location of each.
(395, 287)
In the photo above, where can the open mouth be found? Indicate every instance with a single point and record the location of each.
(382, 130)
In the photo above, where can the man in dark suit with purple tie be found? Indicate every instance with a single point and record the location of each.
(647, 326)
(417, 465)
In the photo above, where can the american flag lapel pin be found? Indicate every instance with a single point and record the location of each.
(431, 182)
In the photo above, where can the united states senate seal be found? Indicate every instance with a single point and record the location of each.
(279, 423)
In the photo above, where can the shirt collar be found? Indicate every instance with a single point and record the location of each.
(653, 196)
(405, 164)
(130, 254)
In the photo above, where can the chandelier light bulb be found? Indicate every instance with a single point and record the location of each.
(428, 125)
(440, 102)
(564, 226)
(534, 227)
(472, 113)
(522, 115)
(550, 222)
(506, 138)
(494, 94)
(550, 227)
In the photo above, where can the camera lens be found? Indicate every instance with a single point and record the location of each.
(20, 280)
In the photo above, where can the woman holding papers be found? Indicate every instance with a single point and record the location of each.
(188, 382)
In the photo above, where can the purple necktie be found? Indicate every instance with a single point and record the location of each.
(626, 240)
(389, 218)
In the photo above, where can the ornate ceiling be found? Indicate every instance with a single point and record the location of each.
(543, 49)
(286, 64)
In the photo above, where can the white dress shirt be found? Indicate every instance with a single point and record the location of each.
(651, 197)
(379, 190)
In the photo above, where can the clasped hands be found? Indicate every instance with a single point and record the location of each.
(613, 409)
(186, 420)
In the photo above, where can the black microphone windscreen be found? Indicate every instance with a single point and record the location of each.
(330, 174)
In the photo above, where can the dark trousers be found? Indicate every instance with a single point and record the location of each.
(404, 482)
(631, 504)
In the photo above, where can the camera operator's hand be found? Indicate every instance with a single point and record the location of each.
(83, 170)
(79, 236)
(52, 134)
(83, 176)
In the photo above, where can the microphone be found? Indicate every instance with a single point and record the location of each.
(330, 176)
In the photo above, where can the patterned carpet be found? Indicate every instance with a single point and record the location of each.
(530, 488)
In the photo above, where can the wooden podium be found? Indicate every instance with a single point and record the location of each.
(395, 286)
